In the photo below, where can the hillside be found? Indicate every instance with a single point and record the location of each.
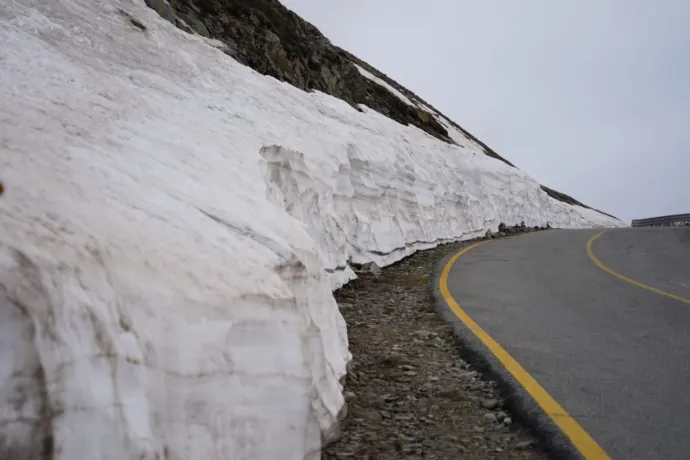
(271, 39)
(173, 224)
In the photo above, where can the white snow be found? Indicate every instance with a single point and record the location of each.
(383, 83)
(173, 224)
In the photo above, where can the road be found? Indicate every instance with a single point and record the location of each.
(612, 348)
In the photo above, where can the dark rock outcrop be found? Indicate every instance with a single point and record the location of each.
(273, 40)
(560, 196)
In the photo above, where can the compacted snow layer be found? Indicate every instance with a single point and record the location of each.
(173, 224)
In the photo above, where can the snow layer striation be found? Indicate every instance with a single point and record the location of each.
(378, 81)
(173, 224)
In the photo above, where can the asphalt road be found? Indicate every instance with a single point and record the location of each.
(614, 355)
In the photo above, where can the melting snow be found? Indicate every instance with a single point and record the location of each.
(173, 225)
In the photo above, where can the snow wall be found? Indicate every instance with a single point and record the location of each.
(173, 225)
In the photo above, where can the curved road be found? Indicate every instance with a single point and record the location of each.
(608, 358)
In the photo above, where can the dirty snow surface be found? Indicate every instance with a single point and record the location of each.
(173, 225)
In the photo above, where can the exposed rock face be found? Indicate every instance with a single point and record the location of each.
(271, 39)
(163, 8)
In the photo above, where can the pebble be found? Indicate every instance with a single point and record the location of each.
(397, 407)
(454, 395)
(524, 444)
(422, 334)
(489, 403)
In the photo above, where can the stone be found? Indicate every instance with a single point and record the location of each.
(491, 418)
(489, 403)
(454, 395)
(196, 24)
(422, 334)
(371, 267)
(524, 444)
(183, 26)
(231, 44)
(163, 8)
(507, 421)
(371, 415)
(272, 38)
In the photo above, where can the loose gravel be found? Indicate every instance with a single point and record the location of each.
(409, 394)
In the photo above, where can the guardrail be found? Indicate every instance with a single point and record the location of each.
(679, 220)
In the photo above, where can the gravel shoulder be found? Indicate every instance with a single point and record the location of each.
(410, 394)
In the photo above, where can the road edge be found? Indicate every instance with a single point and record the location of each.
(517, 400)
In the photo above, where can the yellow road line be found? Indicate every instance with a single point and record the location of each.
(584, 443)
(598, 263)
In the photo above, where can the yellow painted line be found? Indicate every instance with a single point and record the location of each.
(582, 441)
(598, 263)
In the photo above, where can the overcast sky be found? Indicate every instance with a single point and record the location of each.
(590, 97)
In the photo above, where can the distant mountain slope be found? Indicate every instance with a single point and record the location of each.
(273, 40)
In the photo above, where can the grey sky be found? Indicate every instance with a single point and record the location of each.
(590, 97)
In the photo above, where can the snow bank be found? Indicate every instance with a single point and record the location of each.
(172, 226)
